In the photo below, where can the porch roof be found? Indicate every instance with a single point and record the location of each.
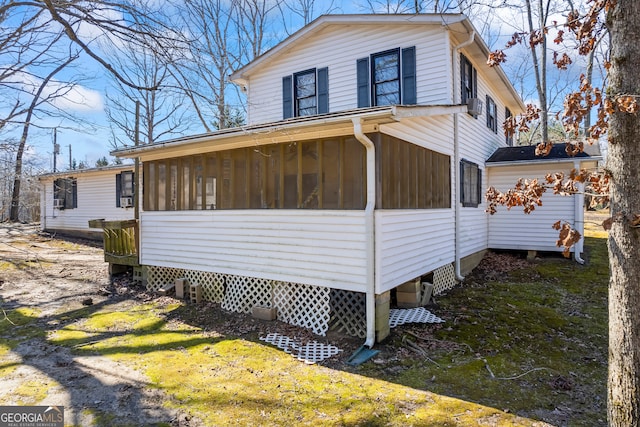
(510, 156)
(284, 131)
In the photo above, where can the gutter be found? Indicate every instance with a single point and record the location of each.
(579, 217)
(370, 298)
(456, 156)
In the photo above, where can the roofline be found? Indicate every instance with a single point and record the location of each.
(352, 19)
(543, 160)
(444, 20)
(285, 130)
(109, 168)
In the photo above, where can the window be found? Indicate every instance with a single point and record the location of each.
(385, 70)
(468, 80)
(387, 78)
(508, 136)
(65, 193)
(492, 115)
(305, 93)
(124, 189)
(470, 184)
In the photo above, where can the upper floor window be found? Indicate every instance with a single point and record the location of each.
(305, 93)
(387, 78)
(470, 184)
(492, 115)
(65, 193)
(468, 80)
(508, 136)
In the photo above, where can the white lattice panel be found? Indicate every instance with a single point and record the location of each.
(310, 352)
(349, 312)
(243, 293)
(160, 276)
(303, 305)
(212, 284)
(444, 278)
(411, 315)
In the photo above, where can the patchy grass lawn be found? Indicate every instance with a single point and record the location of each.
(521, 346)
(532, 341)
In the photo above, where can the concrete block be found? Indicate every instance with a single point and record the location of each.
(264, 313)
(182, 288)
(195, 293)
(426, 294)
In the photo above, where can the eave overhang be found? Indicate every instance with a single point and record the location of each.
(286, 131)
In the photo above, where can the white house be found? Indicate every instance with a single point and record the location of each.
(69, 199)
(362, 167)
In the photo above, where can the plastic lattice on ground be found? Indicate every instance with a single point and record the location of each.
(310, 352)
(444, 278)
(411, 315)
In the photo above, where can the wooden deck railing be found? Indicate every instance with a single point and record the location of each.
(119, 239)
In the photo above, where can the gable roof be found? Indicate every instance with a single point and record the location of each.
(527, 154)
(458, 24)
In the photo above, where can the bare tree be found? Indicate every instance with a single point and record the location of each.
(304, 10)
(15, 198)
(163, 109)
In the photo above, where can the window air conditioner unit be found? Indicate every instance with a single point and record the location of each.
(474, 106)
(126, 202)
(58, 203)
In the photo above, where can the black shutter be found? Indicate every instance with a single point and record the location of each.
(462, 198)
(118, 189)
(463, 84)
(409, 95)
(364, 91)
(323, 90)
(287, 97)
(479, 189)
(488, 112)
(475, 82)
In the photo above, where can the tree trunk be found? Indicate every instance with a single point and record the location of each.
(623, 21)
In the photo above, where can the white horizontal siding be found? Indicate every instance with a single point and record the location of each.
(96, 199)
(434, 133)
(338, 48)
(513, 229)
(323, 248)
(410, 243)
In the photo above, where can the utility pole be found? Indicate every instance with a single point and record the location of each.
(70, 161)
(56, 147)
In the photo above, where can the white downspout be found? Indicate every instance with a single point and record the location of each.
(370, 296)
(579, 218)
(456, 155)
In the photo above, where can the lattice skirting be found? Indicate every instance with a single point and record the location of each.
(311, 307)
(444, 278)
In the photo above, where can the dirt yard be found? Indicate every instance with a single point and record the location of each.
(47, 277)
(523, 344)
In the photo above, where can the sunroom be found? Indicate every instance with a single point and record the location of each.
(316, 217)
